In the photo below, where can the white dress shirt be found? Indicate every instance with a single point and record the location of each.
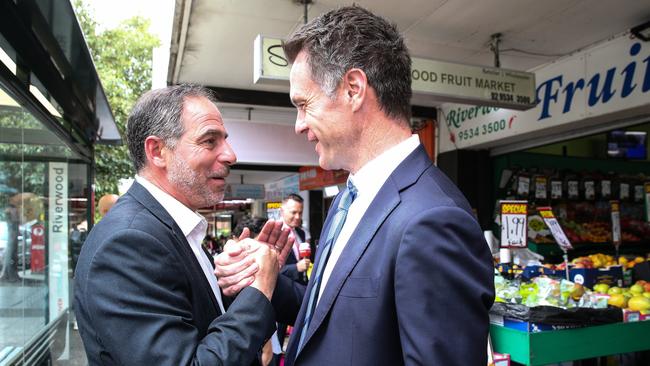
(368, 180)
(193, 227)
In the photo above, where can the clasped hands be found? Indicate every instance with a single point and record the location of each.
(253, 262)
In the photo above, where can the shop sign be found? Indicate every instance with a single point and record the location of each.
(540, 188)
(556, 229)
(491, 86)
(616, 223)
(624, 191)
(273, 210)
(514, 232)
(606, 79)
(244, 191)
(313, 177)
(647, 202)
(270, 65)
(276, 191)
(556, 189)
(444, 81)
(58, 239)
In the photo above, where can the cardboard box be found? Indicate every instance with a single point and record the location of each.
(588, 277)
(642, 271)
(612, 276)
(527, 326)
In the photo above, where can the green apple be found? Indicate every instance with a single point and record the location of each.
(637, 289)
(601, 288)
(614, 290)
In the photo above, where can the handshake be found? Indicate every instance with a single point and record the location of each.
(254, 262)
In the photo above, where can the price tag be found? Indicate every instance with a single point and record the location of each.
(639, 193)
(624, 191)
(572, 189)
(590, 190)
(514, 226)
(605, 188)
(616, 223)
(556, 229)
(523, 186)
(540, 188)
(647, 202)
(556, 189)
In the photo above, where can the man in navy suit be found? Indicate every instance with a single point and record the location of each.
(403, 275)
(145, 291)
(295, 267)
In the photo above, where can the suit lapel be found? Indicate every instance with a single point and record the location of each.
(383, 204)
(386, 200)
(143, 196)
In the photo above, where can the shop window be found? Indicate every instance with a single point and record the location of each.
(43, 209)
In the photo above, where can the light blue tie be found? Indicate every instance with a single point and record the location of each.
(335, 228)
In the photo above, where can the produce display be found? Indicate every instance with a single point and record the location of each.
(547, 291)
(581, 203)
(545, 285)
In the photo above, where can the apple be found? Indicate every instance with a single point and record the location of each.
(614, 290)
(637, 289)
(618, 300)
(601, 288)
(639, 303)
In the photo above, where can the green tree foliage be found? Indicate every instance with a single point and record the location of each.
(123, 57)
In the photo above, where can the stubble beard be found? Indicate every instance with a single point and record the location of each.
(190, 183)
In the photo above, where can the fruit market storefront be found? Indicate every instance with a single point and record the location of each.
(52, 112)
(581, 151)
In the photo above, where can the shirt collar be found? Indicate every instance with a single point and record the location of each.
(186, 219)
(374, 173)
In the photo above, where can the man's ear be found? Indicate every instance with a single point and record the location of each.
(155, 151)
(355, 84)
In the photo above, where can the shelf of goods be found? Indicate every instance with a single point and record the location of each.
(555, 346)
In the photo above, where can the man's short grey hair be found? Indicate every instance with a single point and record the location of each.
(353, 37)
(158, 113)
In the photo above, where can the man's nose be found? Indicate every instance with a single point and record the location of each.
(227, 155)
(301, 126)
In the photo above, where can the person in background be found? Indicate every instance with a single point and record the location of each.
(106, 202)
(145, 291)
(403, 275)
(291, 212)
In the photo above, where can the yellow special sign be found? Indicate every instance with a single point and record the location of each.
(547, 214)
(272, 205)
(513, 208)
(615, 207)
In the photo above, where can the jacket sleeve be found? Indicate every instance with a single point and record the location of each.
(138, 297)
(444, 287)
(291, 271)
(287, 299)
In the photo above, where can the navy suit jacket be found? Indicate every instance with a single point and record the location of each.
(413, 285)
(141, 297)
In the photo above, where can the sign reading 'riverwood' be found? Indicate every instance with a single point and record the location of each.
(444, 81)
(597, 86)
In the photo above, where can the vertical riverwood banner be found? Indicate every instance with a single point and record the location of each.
(58, 239)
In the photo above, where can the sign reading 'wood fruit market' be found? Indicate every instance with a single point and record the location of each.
(443, 81)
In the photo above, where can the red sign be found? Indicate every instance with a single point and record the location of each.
(313, 177)
(38, 248)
